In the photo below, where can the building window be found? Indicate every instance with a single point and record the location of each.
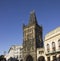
(39, 52)
(59, 43)
(53, 46)
(54, 58)
(48, 48)
(17, 57)
(48, 58)
(27, 36)
(59, 58)
(20, 56)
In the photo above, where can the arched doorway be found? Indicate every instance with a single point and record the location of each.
(29, 58)
(41, 58)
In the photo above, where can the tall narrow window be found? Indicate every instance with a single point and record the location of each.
(48, 58)
(59, 58)
(48, 48)
(53, 46)
(59, 44)
(54, 58)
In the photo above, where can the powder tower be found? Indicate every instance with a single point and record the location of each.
(32, 38)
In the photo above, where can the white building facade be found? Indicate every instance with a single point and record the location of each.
(52, 45)
(15, 51)
(40, 54)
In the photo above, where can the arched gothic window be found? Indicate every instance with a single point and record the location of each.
(48, 48)
(53, 46)
(59, 43)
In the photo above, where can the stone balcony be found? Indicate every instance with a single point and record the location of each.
(52, 52)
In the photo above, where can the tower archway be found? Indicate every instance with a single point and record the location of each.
(41, 58)
(29, 58)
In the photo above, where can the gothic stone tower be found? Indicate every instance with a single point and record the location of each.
(32, 38)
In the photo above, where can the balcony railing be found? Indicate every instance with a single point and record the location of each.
(52, 52)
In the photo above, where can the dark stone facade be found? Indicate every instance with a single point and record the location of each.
(32, 39)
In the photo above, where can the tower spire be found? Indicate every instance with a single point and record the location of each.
(32, 17)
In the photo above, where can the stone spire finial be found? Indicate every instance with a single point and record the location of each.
(32, 17)
(32, 12)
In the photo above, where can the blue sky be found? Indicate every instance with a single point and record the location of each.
(13, 13)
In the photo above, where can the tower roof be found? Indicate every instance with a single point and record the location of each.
(32, 18)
